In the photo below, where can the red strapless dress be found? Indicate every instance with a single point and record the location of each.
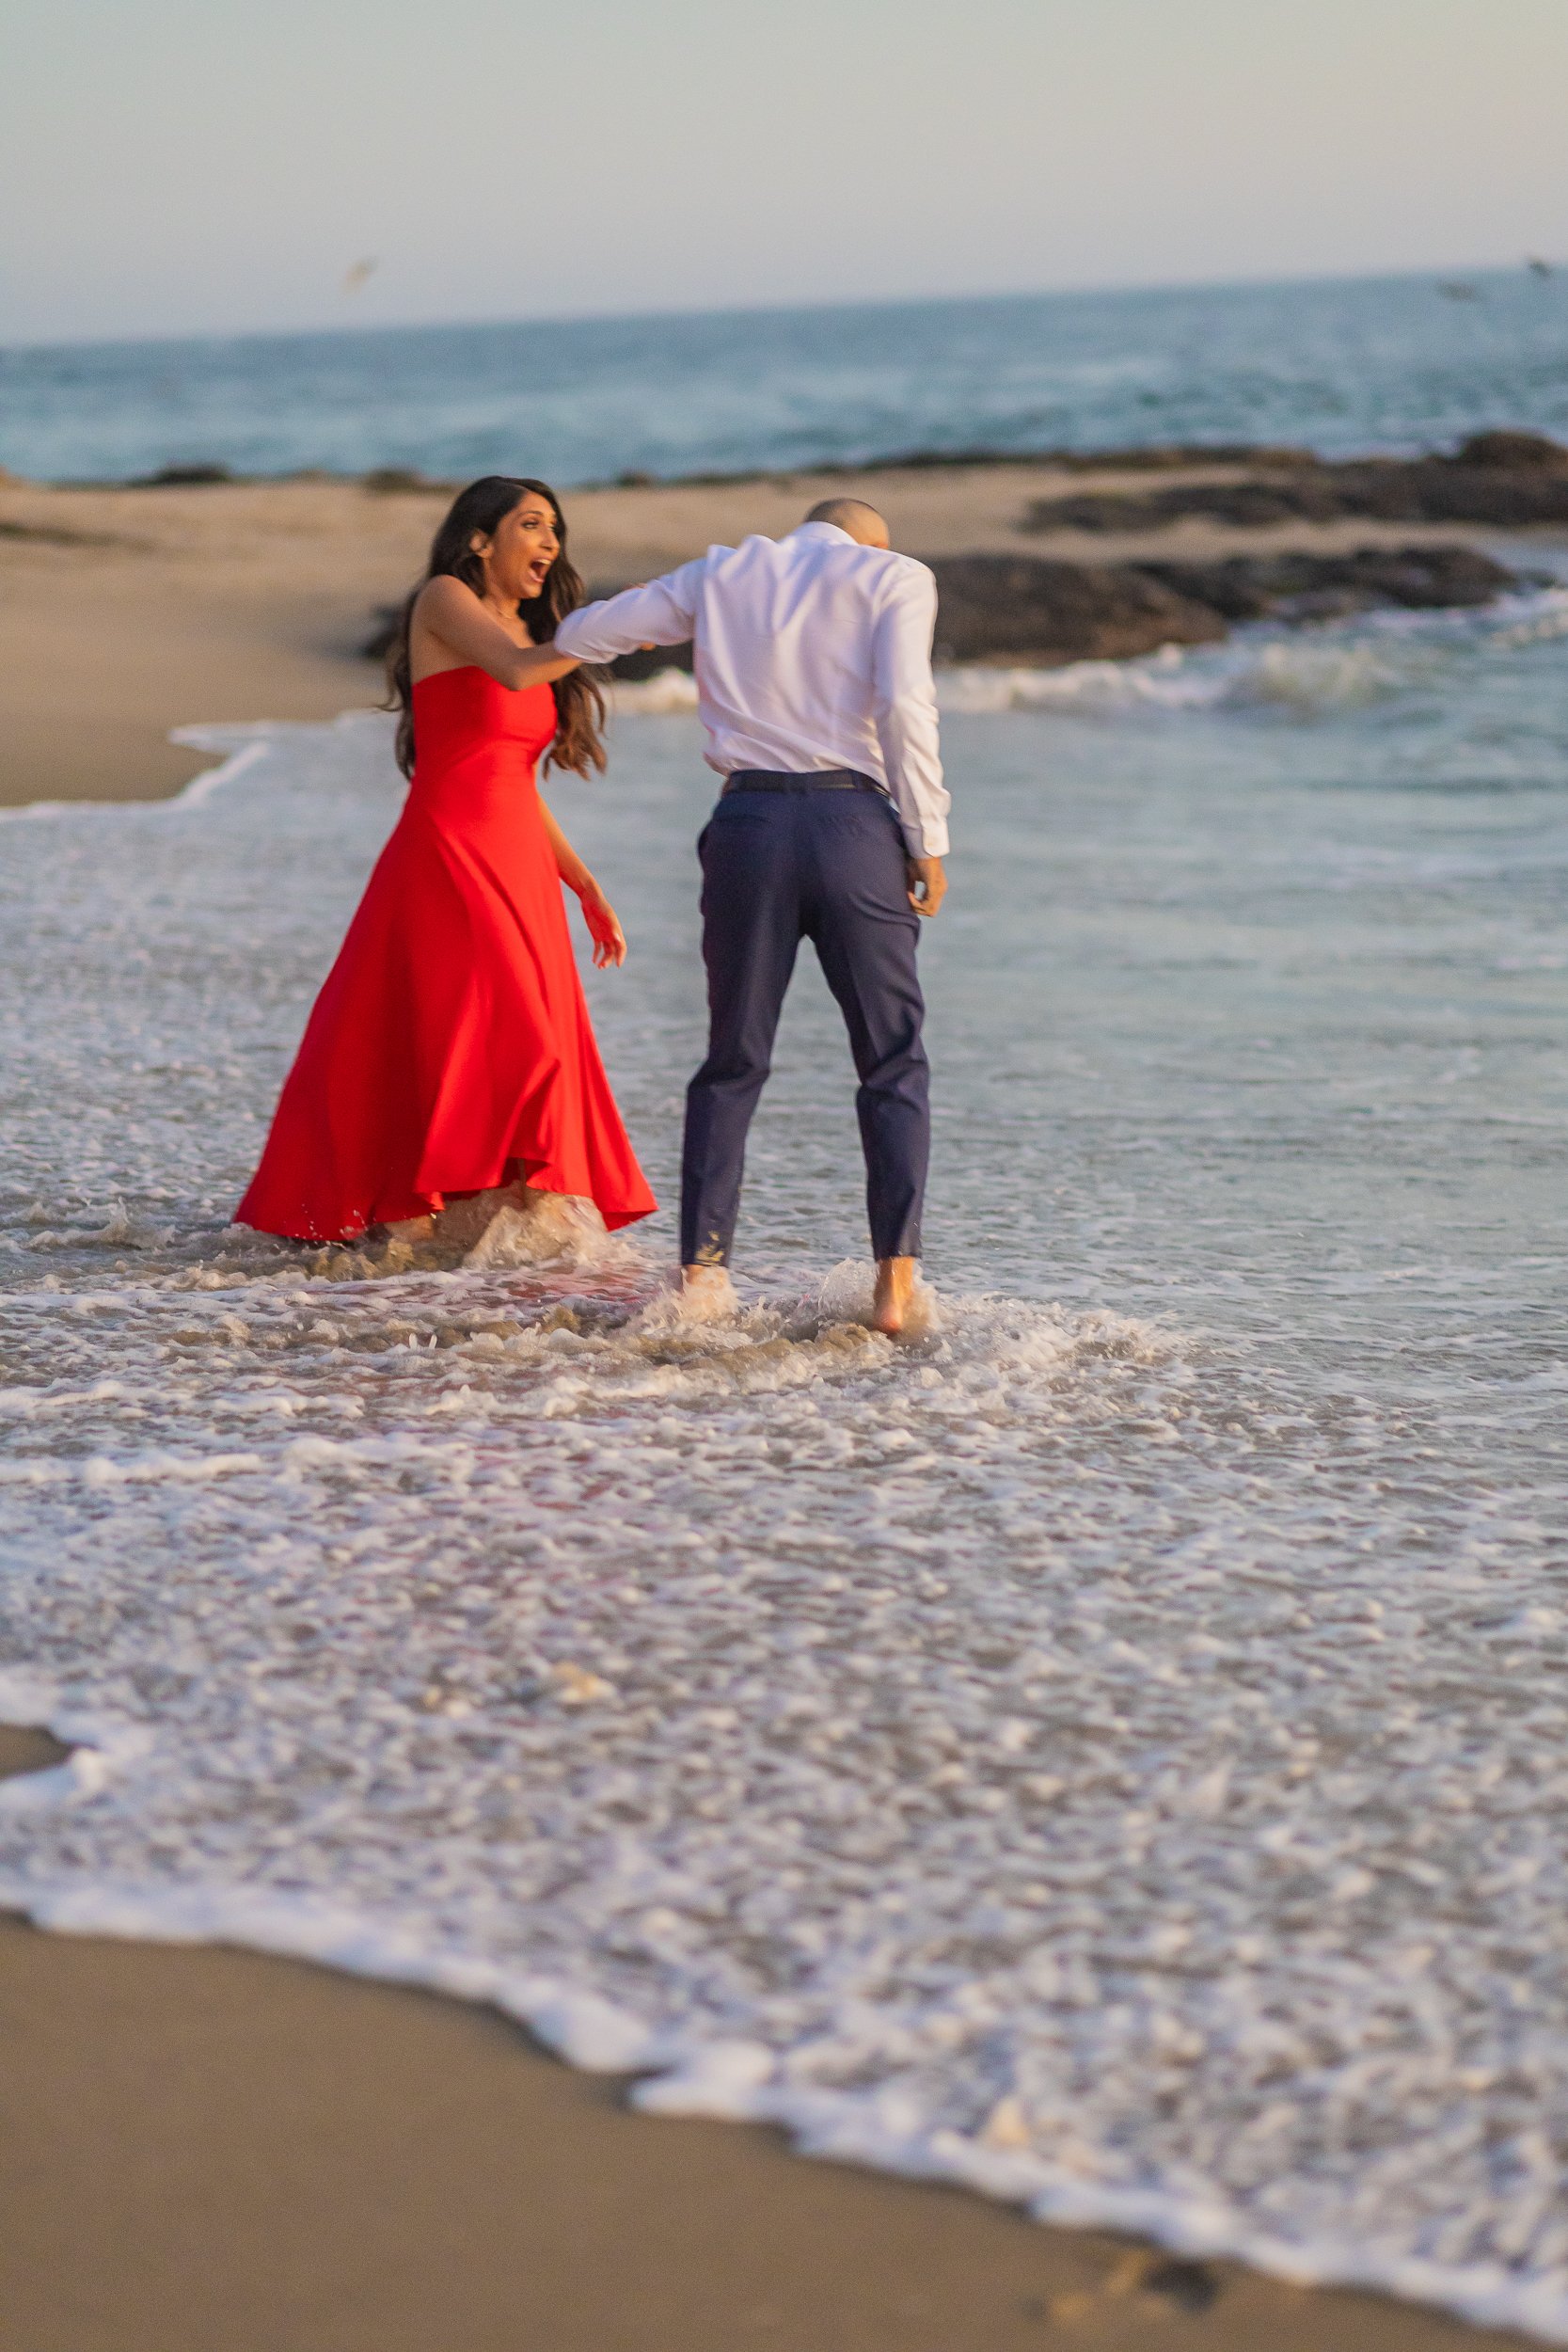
(451, 1047)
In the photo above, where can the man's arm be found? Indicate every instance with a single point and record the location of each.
(662, 613)
(904, 710)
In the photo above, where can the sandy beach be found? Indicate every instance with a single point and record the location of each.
(130, 612)
(329, 2166)
(212, 2150)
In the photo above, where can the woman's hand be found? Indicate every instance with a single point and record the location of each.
(610, 940)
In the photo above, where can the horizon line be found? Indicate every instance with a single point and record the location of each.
(1437, 273)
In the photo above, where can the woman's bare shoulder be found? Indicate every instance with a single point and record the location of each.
(444, 598)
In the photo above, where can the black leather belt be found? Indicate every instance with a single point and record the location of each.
(815, 780)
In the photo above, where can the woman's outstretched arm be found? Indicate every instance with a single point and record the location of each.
(448, 610)
(610, 940)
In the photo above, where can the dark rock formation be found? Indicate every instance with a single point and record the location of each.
(181, 477)
(1504, 480)
(378, 644)
(1168, 457)
(997, 608)
(394, 481)
(1009, 608)
(1296, 586)
(642, 665)
(1522, 452)
(1019, 608)
(1147, 457)
(1024, 609)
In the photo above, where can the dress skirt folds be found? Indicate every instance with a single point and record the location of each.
(449, 1049)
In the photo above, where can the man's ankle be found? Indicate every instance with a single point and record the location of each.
(708, 1294)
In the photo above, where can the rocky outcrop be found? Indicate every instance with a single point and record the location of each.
(193, 477)
(642, 665)
(1296, 586)
(1025, 608)
(1002, 608)
(1019, 608)
(1509, 481)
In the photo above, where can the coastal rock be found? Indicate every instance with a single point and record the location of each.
(638, 665)
(1303, 497)
(1297, 586)
(197, 476)
(378, 644)
(1026, 608)
(398, 481)
(1009, 608)
(1143, 458)
(1171, 456)
(1507, 480)
(1523, 452)
(1001, 608)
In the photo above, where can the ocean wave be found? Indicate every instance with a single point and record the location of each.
(1320, 667)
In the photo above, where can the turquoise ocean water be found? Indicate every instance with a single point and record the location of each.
(1363, 364)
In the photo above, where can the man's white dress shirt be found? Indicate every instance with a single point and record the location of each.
(810, 652)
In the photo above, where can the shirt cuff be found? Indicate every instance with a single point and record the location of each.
(563, 632)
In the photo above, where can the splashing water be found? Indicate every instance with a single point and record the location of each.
(1305, 669)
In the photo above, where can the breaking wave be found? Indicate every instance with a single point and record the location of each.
(1329, 667)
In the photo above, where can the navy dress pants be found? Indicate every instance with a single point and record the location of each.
(780, 866)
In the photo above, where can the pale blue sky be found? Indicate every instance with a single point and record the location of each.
(188, 165)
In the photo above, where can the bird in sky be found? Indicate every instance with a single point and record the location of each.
(359, 274)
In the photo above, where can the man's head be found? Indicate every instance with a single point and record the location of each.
(862, 523)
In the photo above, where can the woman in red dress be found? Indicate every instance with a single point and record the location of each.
(450, 1051)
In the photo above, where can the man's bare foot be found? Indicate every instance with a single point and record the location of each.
(894, 1308)
(708, 1294)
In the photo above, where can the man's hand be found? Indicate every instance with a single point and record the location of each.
(927, 884)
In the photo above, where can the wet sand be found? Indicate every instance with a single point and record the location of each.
(128, 613)
(214, 2150)
(207, 2151)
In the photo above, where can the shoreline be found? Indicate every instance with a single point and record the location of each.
(134, 610)
(348, 2164)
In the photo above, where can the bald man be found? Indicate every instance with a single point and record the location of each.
(814, 685)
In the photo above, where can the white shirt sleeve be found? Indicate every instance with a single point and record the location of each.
(662, 613)
(904, 707)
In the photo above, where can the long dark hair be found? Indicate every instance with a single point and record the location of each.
(578, 697)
